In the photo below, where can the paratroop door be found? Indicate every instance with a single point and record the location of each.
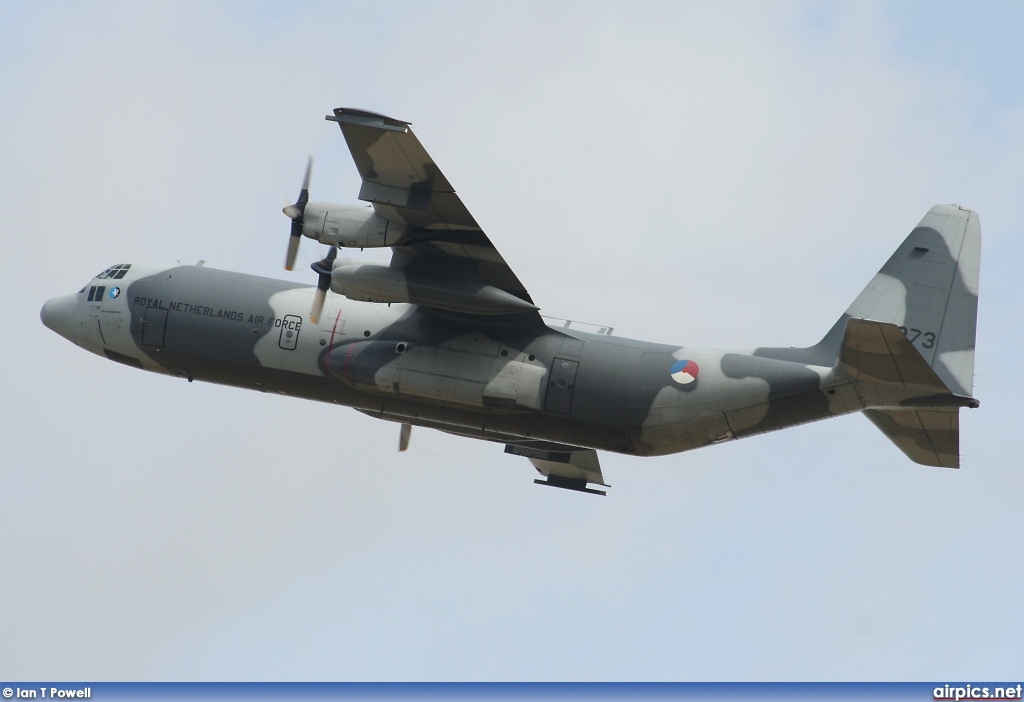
(154, 324)
(560, 384)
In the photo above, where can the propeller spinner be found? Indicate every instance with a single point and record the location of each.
(297, 213)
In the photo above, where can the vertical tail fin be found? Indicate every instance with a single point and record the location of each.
(929, 289)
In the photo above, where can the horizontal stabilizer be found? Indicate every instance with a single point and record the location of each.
(902, 394)
(881, 357)
(890, 371)
(931, 438)
(877, 352)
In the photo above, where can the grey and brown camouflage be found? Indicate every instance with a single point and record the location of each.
(447, 337)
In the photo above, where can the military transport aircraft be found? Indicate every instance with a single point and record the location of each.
(447, 337)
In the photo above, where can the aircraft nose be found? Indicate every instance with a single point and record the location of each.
(59, 314)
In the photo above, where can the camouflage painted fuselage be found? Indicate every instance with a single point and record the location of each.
(448, 337)
(491, 380)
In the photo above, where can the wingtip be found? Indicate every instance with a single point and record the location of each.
(351, 115)
(366, 113)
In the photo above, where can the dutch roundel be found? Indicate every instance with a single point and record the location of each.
(684, 372)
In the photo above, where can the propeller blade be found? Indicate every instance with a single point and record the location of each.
(305, 181)
(296, 213)
(323, 269)
(293, 251)
(318, 306)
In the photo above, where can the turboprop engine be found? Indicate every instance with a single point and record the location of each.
(353, 226)
(350, 226)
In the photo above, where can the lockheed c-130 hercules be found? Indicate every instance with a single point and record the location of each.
(447, 337)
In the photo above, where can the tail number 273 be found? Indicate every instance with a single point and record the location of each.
(927, 338)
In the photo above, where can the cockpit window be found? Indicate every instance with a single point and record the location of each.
(115, 272)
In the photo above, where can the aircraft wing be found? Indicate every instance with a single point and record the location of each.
(405, 186)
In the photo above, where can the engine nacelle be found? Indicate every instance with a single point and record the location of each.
(350, 226)
(373, 283)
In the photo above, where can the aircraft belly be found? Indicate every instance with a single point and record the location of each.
(663, 439)
(486, 423)
(784, 412)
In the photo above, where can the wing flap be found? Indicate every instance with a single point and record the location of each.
(380, 194)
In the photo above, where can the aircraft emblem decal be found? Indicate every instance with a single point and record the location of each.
(114, 292)
(684, 372)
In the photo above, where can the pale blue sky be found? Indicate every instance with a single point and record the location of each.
(706, 174)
